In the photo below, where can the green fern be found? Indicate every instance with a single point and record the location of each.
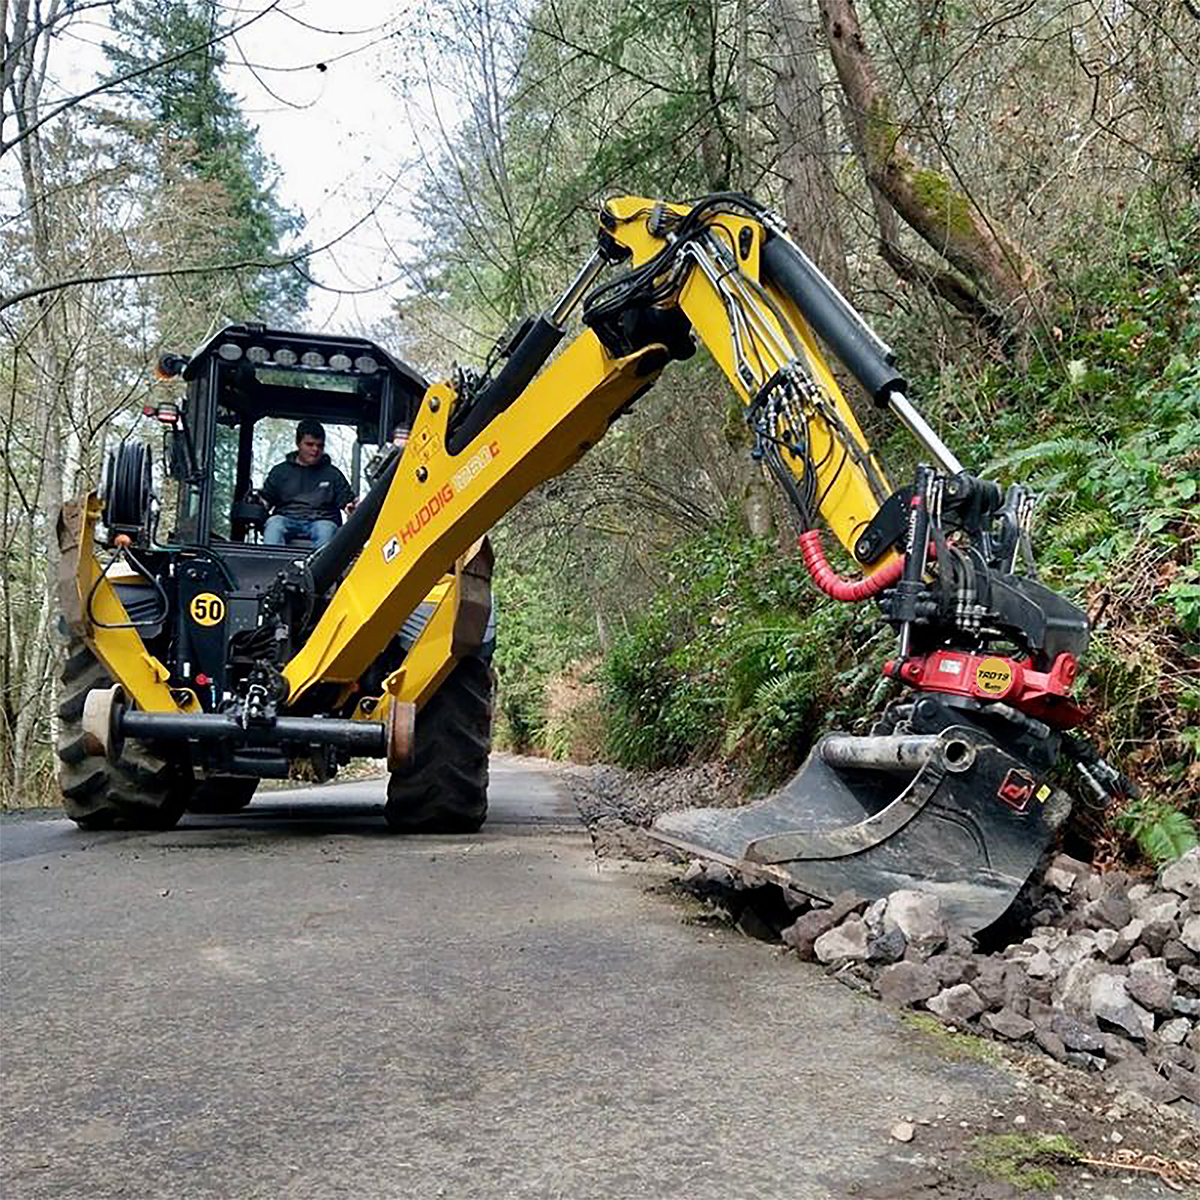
(1059, 451)
(786, 691)
(1162, 832)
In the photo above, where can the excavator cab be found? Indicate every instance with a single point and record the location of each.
(188, 624)
(247, 389)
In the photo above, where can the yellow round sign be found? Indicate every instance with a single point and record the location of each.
(993, 676)
(207, 609)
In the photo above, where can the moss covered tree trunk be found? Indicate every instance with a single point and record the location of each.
(930, 201)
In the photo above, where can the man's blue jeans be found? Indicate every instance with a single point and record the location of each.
(280, 530)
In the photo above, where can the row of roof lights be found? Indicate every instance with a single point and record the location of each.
(285, 357)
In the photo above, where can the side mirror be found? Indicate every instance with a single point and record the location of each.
(170, 366)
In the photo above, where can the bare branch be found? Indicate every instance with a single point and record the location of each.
(109, 84)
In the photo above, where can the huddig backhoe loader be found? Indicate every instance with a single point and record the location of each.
(227, 660)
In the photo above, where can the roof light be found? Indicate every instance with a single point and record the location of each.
(310, 358)
(366, 364)
(286, 357)
(258, 354)
(229, 351)
(340, 362)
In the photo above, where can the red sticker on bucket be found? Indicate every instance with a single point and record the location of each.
(1017, 789)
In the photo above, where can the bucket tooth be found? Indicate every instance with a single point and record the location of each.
(950, 813)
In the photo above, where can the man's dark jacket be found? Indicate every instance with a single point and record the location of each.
(316, 493)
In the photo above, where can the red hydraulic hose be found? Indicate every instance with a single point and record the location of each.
(832, 584)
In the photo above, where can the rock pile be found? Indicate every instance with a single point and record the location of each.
(1109, 979)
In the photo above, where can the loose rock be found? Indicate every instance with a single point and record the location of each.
(952, 968)
(847, 941)
(1051, 1043)
(1126, 939)
(956, 1005)
(845, 903)
(1077, 1035)
(1110, 960)
(1190, 936)
(1152, 985)
(1155, 906)
(1110, 1004)
(1008, 1024)
(886, 947)
(1175, 954)
(804, 931)
(906, 983)
(1158, 931)
(1183, 877)
(918, 916)
(1060, 880)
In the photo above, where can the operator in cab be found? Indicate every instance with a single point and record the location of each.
(306, 492)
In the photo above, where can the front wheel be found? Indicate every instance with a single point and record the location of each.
(140, 791)
(444, 790)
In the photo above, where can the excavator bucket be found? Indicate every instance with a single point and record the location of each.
(950, 813)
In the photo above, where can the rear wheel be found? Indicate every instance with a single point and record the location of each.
(140, 791)
(222, 794)
(444, 790)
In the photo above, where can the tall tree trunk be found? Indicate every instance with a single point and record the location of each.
(25, 76)
(951, 222)
(804, 156)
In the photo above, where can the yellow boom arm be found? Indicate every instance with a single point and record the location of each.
(441, 500)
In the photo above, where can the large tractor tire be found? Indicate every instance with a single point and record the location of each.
(444, 790)
(140, 791)
(222, 794)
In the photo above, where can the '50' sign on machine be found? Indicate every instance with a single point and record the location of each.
(207, 609)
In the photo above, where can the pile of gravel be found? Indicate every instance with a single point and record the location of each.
(619, 805)
(1109, 979)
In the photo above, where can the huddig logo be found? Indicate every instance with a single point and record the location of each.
(426, 513)
(434, 505)
(993, 676)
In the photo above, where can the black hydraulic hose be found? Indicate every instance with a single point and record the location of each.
(326, 564)
(835, 322)
(523, 364)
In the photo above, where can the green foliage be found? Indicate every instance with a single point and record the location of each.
(198, 131)
(1103, 422)
(1162, 832)
(1024, 1159)
(536, 638)
(737, 656)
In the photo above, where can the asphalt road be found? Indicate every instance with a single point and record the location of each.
(288, 1002)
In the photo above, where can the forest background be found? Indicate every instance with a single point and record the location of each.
(1009, 190)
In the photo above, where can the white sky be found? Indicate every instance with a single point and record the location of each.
(338, 135)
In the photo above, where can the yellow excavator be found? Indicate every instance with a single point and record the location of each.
(206, 659)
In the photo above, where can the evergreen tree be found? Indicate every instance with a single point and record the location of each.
(211, 173)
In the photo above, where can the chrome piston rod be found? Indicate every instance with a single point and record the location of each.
(904, 753)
